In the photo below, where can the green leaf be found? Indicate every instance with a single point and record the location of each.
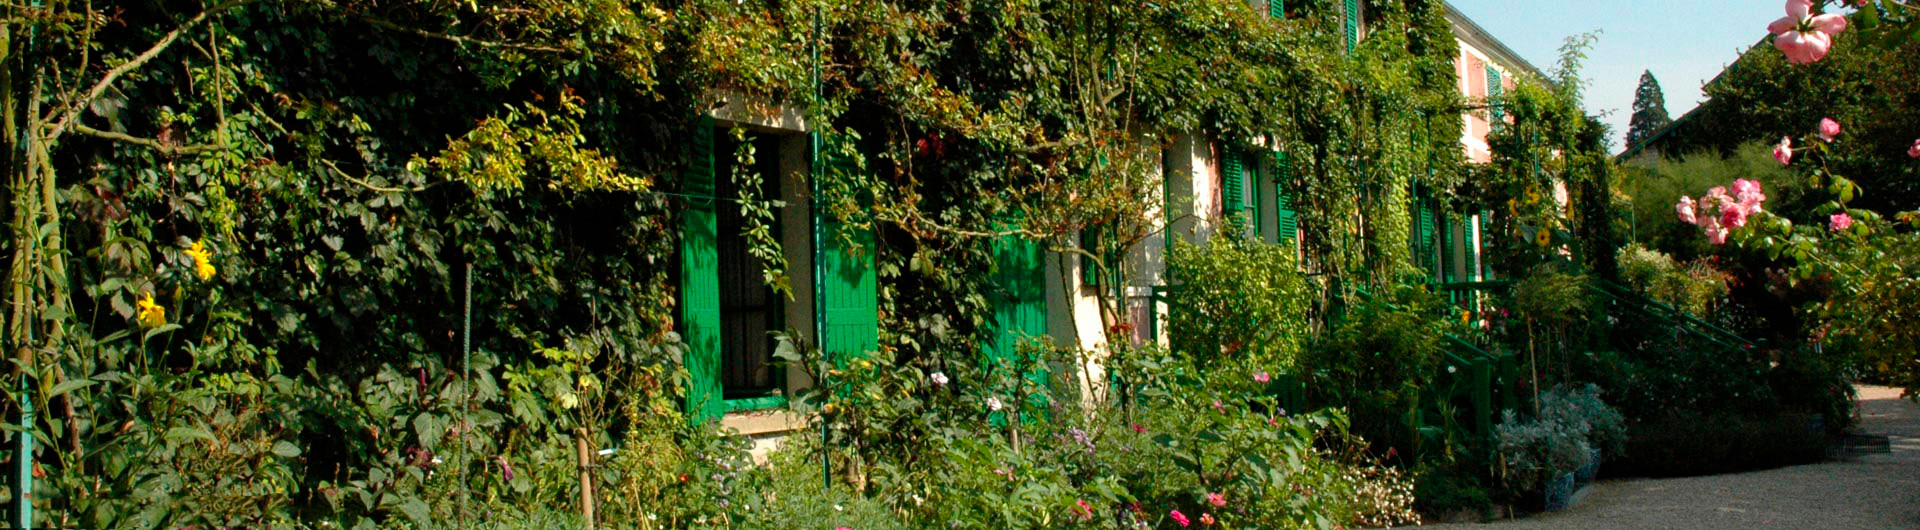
(430, 429)
(68, 386)
(162, 329)
(416, 511)
(180, 435)
(286, 449)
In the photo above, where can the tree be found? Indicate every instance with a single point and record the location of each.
(1649, 110)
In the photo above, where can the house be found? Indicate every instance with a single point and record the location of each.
(727, 311)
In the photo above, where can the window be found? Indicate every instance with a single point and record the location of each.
(749, 310)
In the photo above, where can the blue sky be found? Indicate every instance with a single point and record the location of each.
(1684, 43)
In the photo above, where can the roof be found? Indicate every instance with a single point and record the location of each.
(1465, 29)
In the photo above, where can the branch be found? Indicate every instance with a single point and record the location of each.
(73, 108)
(369, 185)
(169, 150)
(460, 39)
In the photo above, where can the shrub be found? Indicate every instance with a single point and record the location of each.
(1693, 287)
(1689, 443)
(1531, 453)
(1582, 409)
(1238, 298)
(1376, 361)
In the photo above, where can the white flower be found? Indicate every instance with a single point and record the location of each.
(938, 378)
(836, 507)
(994, 404)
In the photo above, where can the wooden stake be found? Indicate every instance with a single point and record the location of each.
(586, 476)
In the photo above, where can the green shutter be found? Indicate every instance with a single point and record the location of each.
(1019, 305)
(1429, 252)
(1233, 196)
(1090, 242)
(1276, 9)
(849, 304)
(1353, 24)
(1287, 219)
(700, 279)
(1251, 164)
(1494, 90)
(1443, 240)
(1486, 245)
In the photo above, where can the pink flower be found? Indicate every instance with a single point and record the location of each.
(1749, 194)
(1218, 500)
(1178, 517)
(1261, 377)
(1685, 209)
(1219, 407)
(1840, 221)
(1784, 151)
(1717, 235)
(1086, 512)
(1915, 150)
(1734, 216)
(1206, 519)
(1142, 429)
(1829, 129)
(1803, 37)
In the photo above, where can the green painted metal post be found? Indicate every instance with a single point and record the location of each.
(813, 184)
(23, 461)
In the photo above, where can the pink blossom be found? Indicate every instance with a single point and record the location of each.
(1142, 429)
(1829, 129)
(1262, 377)
(1206, 519)
(1086, 512)
(1717, 235)
(1749, 194)
(1784, 151)
(1218, 500)
(1734, 215)
(1219, 407)
(1803, 37)
(1685, 209)
(1840, 221)
(1179, 517)
(1915, 150)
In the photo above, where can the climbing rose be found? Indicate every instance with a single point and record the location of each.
(1829, 129)
(1178, 517)
(1685, 209)
(1803, 37)
(1784, 151)
(1717, 235)
(1217, 500)
(1749, 193)
(1840, 221)
(1206, 519)
(1734, 215)
(1915, 150)
(1262, 377)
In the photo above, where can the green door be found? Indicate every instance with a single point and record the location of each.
(1019, 305)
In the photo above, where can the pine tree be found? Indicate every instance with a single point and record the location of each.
(1649, 110)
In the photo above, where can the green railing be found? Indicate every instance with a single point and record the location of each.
(1471, 381)
(1619, 296)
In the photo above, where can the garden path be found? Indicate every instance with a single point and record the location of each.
(1871, 491)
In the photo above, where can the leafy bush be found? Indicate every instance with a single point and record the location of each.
(1238, 298)
(1531, 453)
(1582, 409)
(1692, 287)
(1377, 360)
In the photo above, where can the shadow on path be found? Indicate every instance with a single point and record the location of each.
(1872, 491)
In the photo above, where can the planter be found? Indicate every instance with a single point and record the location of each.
(1559, 493)
(1585, 474)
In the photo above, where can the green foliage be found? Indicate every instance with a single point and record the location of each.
(1654, 188)
(1582, 409)
(1377, 360)
(1694, 288)
(1238, 301)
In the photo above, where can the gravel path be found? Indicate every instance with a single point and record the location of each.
(1872, 491)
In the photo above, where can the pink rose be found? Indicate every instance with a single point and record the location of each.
(1218, 500)
(1915, 150)
(1262, 378)
(1717, 235)
(1840, 221)
(1685, 209)
(1206, 519)
(1734, 216)
(1178, 517)
(1803, 37)
(1784, 151)
(1829, 129)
